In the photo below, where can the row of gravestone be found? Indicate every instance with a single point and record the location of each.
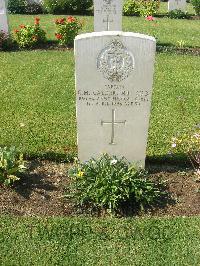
(107, 13)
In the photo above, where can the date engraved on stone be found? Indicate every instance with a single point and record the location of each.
(115, 62)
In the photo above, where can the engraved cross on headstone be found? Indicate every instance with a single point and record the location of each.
(108, 22)
(177, 1)
(113, 123)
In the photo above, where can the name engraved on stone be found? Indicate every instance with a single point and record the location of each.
(115, 62)
(113, 98)
(107, 10)
(113, 123)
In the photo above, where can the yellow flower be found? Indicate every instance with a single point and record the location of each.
(80, 173)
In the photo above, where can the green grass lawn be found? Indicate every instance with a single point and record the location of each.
(37, 90)
(81, 241)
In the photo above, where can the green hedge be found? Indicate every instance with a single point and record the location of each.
(67, 6)
(24, 7)
(50, 6)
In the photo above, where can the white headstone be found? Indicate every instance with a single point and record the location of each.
(177, 5)
(107, 15)
(114, 76)
(3, 17)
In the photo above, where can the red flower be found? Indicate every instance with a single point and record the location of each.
(58, 36)
(150, 18)
(60, 21)
(71, 19)
(22, 26)
(16, 31)
(37, 21)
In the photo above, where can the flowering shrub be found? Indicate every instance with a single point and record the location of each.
(108, 182)
(149, 7)
(11, 164)
(131, 7)
(30, 35)
(5, 41)
(142, 7)
(67, 29)
(189, 143)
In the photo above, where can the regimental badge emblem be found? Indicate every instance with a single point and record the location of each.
(115, 62)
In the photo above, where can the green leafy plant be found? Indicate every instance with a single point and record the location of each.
(33, 8)
(29, 36)
(24, 7)
(131, 8)
(196, 6)
(11, 164)
(108, 182)
(67, 30)
(143, 8)
(177, 14)
(17, 6)
(188, 142)
(148, 7)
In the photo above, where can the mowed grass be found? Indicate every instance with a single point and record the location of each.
(81, 241)
(37, 110)
(167, 31)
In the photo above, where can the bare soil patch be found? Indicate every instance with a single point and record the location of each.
(40, 192)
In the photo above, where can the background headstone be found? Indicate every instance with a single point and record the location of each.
(177, 4)
(114, 75)
(107, 15)
(3, 16)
